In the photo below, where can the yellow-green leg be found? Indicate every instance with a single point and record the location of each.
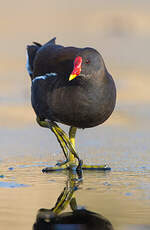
(67, 197)
(62, 165)
(72, 133)
(71, 163)
(70, 145)
(68, 194)
(66, 146)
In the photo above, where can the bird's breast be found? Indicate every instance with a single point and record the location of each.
(81, 106)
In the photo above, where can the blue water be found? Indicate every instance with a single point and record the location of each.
(11, 184)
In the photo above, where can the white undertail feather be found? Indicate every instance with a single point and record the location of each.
(28, 65)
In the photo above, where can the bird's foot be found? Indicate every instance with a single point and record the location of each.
(60, 163)
(54, 168)
(71, 165)
(74, 167)
(104, 167)
(68, 164)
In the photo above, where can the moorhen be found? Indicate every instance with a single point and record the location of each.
(71, 86)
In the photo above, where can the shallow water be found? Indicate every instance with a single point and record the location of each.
(122, 195)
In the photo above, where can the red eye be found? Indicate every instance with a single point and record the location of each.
(87, 61)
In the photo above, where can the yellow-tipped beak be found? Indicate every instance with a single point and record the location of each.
(72, 76)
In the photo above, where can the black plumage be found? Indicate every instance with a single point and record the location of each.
(86, 101)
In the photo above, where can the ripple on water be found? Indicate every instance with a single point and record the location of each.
(11, 184)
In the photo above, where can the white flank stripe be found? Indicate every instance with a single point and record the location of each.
(51, 74)
(43, 77)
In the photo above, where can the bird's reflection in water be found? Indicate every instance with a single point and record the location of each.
(77, 219)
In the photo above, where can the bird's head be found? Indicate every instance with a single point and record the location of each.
(86, 63)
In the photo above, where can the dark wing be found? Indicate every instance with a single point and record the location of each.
(31, 53)
(52, 58)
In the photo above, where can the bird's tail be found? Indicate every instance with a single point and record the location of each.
(31, 53)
